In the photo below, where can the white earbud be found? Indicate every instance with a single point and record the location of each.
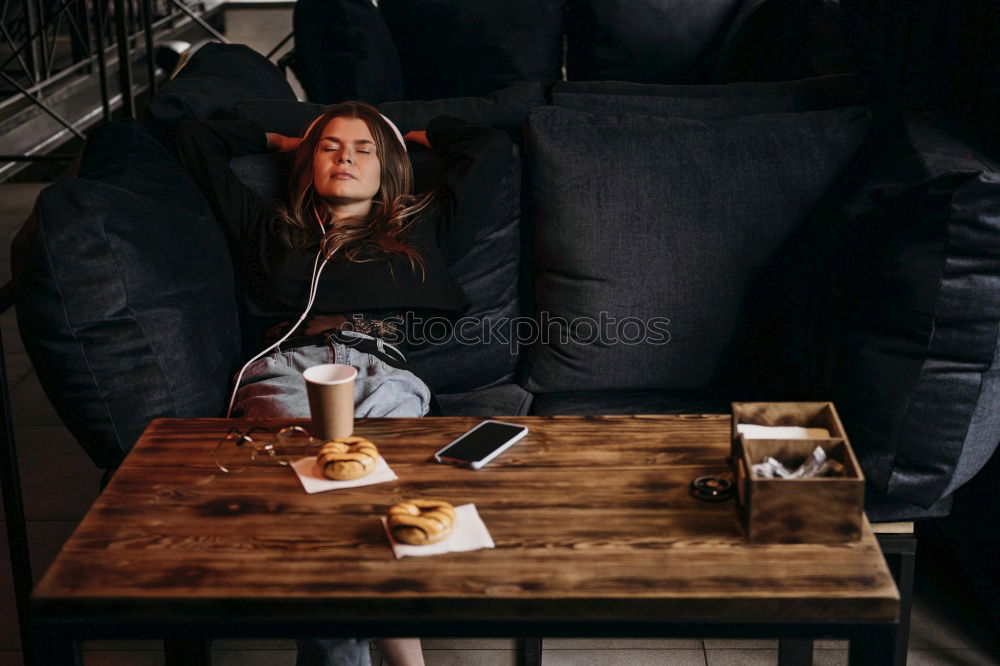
(313, 287)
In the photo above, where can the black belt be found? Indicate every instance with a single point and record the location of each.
(366, 345)
(386, 353)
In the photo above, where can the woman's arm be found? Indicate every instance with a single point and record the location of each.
(205, 149)
(417, 136)
(477, 158)
(279, 143)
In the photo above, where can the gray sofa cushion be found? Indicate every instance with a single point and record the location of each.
(125, 294)
(630, 402)
(477, 353)
(711, 101)
(343, 50)
(833, 89)
(661, 41)
(916, 312)
(453, 48)
(504, 109)
(881, 508)
(211, 83)
(650, 230)
(778, 40)
(502, 400)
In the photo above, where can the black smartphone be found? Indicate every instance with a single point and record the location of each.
(481, 444)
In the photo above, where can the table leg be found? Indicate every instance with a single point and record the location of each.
(531, 652)
(900, 554)
(795, 652)
(873, 645)
(187, 653)
(907, 562)
(53, 649)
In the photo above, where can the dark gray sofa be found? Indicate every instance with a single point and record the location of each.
(803, 242)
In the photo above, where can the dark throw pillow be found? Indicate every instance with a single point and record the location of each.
(778, 40)
(125, 294)
(837, 88)
(457, 48)
(711, 101)
(344, 51)
(650, 231)
(653, 41)
(479, 353)
(915, 367)
(211, 83)
(504, 109)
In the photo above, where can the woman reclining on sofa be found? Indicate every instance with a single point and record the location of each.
(349, 252)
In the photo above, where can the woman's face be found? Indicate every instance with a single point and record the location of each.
(346, 168)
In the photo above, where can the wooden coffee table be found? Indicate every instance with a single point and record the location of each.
(596, 535)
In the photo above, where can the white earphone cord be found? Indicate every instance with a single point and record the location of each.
(313, 287)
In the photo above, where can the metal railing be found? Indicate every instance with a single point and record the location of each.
(57, 59)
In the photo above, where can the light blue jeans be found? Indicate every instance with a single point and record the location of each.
(273, 387)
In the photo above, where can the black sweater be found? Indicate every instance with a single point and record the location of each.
(275, 280)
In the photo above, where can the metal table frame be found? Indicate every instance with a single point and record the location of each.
(57, 638)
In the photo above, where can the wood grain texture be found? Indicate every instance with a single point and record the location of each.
(591, 517)
(818, 510)
(821, 510)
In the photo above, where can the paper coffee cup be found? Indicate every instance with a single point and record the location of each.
(331, 399)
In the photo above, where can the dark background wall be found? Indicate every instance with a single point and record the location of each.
(931, 54)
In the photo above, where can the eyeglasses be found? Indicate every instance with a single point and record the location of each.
(238, 450)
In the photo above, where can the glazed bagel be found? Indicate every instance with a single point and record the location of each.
(421, 522)
(347, 458)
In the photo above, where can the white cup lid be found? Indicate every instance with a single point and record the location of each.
(330, 373)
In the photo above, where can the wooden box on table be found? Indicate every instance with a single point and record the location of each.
(816, 510)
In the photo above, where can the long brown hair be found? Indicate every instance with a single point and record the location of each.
(380, 235)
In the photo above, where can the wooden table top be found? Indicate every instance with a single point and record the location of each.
(590, 515)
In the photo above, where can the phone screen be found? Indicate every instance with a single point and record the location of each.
(479, 443)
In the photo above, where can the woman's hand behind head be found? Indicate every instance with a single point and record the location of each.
(417, 137)
(279, 143)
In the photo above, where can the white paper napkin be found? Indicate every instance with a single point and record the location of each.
(314, 481)
(470, 533)
(750, 431)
